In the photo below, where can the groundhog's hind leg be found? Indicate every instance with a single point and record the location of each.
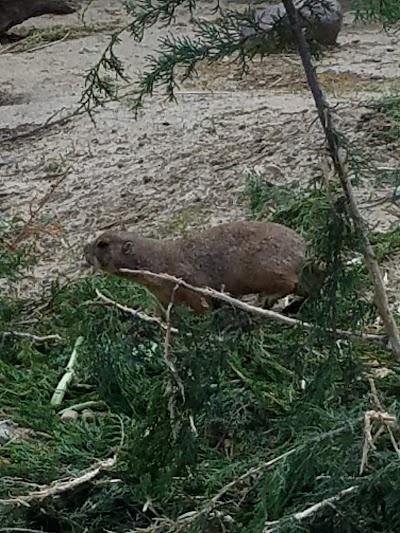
(285, 286)
(294, 307)
(268, 302)
(160, 311)
(197, 302)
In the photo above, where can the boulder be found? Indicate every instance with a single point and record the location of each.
(13, 12)
(321, 20)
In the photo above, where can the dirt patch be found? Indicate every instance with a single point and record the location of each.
(284, 74)
(178, 166)
(380, 128)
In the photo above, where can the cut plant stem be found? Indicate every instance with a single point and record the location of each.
(62, 387)
(91, 404)
(325, 117)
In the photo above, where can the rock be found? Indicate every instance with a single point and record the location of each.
(322, 22)
(7, 431)
(88, 415)
(69, 416)
(13, 12)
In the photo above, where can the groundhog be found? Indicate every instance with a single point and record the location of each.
(238, 258)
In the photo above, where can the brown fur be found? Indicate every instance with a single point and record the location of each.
(238, 258)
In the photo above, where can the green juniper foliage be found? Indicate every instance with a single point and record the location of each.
(177, 57)
(245, 403)
(385, 11)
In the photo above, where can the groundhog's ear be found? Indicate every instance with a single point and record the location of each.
(127, 247)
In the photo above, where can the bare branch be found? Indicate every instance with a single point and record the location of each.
(19, 530)
(266, 313)
(174, 376)
(134, 312)
(338, 157)
(59, 487)
(30, 336)
(272, 526)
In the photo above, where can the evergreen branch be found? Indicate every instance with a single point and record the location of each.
(386, 12)
(339, 162)
(212, 42)
(100, 88)
(374, 339)
(146, 13)
(183, 521)
(387, 421)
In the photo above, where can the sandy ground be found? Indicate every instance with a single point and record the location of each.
(179, 165)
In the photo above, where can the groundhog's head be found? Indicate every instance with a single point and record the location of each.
(111, 251)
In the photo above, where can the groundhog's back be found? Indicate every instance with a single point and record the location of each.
(245, 257)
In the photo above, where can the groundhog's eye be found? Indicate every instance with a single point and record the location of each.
(102, 245)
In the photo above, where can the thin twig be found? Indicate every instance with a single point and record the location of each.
(91, 404)
(19, 530)
(11, 46)
(174, 376)
(48, 44)
(134, 312)
(30, 336)
(59, 487)
(272, 526)
(33, 213)
(387, 422)
(325, 117)
(266, 313)
(47, 124)
(167, 359)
